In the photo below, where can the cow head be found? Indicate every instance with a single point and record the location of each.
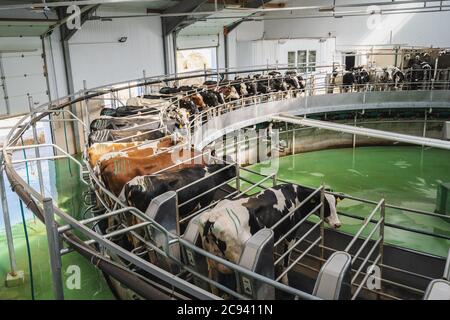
(243, 89)
(198, 100)
(330, 202)
(180, 115)
(330, 212)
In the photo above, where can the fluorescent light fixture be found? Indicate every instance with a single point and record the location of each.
(326, 9)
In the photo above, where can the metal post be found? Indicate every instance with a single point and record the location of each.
(236, 150)
(293, 141)
(322, 224)
(5, 89)
(424, 133)
(8, 231)
(354, 135)
(145, 82)
(37, 151)
(87, 121)
(204, 72)
(382, 217)
(54, 249)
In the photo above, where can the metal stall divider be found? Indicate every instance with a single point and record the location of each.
(163, 210)
(258, 257)
(192, 258)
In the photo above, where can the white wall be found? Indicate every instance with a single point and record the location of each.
(232, 49)
(55, 65)
(263, 52)
(250, 30)
(98, 57)
(419, 29)
(344, 34)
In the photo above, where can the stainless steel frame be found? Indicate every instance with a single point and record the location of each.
(300, 102)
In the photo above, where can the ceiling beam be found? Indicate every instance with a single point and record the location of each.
(252, 4)
(242, 3)
(170, 24)
(61, 3)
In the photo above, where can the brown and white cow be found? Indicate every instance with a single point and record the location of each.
(117, 171)
(103, 151)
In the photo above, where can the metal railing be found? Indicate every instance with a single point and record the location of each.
(39, 204)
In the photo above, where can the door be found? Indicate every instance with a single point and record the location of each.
(196, 59)
(349, 62)
(23, 75)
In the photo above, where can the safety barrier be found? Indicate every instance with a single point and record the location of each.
(177, 260)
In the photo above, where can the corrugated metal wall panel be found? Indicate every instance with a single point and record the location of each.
(24, 75)
(99, 58)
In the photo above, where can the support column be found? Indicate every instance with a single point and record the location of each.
(14, 277)
(54, 249)
(4, 87)
(71, 90)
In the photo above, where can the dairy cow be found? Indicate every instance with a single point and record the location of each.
(226, 228)
(140, 191)
(112, 123)
(124, 135)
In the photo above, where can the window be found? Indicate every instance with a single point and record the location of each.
(301, 60)
(305, 60)
(291, 59)
(312, 60)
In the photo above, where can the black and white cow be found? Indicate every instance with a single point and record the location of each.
(189, 105)
(252, 87)
(348, 79)
(124, 135)
(210, 98)
(125, 111)
(262, 84)
(106, 122)
(294, 80)
(140, 191)
(169, 90)
(226, 228)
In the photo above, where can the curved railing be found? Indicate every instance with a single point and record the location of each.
(44, 207)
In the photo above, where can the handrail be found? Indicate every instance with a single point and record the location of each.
(84, 95)
(366, 222)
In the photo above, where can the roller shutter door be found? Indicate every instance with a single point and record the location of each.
(22, 75)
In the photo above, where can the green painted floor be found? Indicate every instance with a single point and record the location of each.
(405, 176)
(66, 190)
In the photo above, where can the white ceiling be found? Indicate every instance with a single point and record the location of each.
(214, 24)
(23, 28)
